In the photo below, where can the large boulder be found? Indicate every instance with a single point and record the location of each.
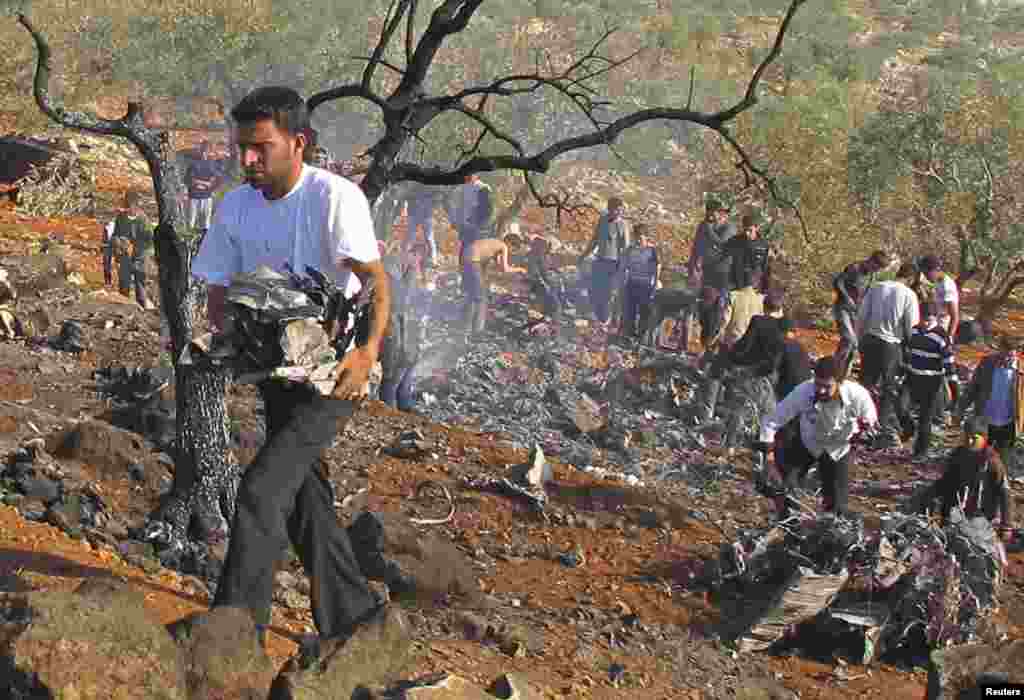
(367, 659)
(223, 658)
(96, 645)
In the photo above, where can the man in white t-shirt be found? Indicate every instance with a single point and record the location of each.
(886, 319)
(945, 296)
(288, 212)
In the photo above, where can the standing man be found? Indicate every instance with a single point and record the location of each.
(710, 267)
(849, 286)
(885, 321)
(643, 277)
(830, 411)
(127, 238)
(928, 361)
(420, 212)
(750, 255)
(290, 213)
(610, 241)
(201, 179)
(470, 208)
(996, 393)
(946, 296)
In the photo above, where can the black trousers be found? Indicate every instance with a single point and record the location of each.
(923, 391)
(796, 461)
(1002, 436)
(880, 362)
(284, 496)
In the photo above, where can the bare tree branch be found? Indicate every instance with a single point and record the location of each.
(343, 91)
(391, 23)
(410, 27)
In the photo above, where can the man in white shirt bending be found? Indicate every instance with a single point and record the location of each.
(291, 213)
(886, 319)
(830, 412)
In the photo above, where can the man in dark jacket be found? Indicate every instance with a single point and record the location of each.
(750, 256)
(710, 267)
(794, 363)
(849, 286)
(127, 238)
(974, 480)
(760, 347)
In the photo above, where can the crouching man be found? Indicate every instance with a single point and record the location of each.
(830, 411)
(974, 480)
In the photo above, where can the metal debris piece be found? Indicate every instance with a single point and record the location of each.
(421, 490)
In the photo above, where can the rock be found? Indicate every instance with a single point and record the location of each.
(953, 672)
(42, 489)
(536, 472)
(137, 471)
(585, 414)
(65, 645)
(514, 686)
(472, 626)
(764, 689)
(70, 339)
(450, 687)
(111, 450)
(223, 658)
(375, 651)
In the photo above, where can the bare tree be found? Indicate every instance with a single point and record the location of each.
(205, 474)
(408, 108)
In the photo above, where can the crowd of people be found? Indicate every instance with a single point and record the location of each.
(759, 381)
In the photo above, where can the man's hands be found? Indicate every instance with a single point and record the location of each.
(353, 373)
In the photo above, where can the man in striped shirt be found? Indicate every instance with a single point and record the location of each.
(928, 361)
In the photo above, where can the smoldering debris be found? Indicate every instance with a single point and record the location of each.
(914, 586)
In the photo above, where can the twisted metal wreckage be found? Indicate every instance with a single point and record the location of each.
(927, 585)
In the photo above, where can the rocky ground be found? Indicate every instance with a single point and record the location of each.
(592, 596)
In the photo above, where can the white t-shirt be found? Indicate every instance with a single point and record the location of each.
(945, 293)
(889, 311)
(322, 222)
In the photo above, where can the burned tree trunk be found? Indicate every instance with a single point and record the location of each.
(205, 476)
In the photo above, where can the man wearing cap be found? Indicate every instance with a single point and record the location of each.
(849, 286)
(997, 393)
(928, 362)
(945, 295)
(610, 241)
(885, 321)
(830, 411)
(710, 268)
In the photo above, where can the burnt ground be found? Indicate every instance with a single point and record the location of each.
(627, 604)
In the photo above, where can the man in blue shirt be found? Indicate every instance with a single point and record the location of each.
(996, 392)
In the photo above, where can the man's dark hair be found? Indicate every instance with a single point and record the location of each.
(827, 368)
(907, 270)
(929, 308)
(281, 104)
(879, 259)
(773, 300)
(930, 263)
